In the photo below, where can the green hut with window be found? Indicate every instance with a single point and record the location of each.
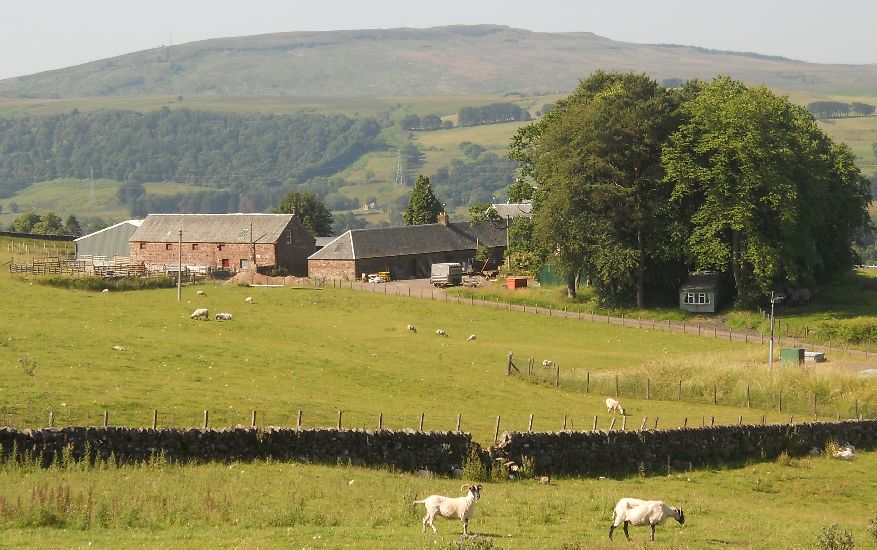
(701, 292)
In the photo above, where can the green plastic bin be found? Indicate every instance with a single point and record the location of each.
(794, 356)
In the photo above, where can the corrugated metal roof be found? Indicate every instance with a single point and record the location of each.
(513, 209)
(212, 228)
(109, 241)
(408, 240)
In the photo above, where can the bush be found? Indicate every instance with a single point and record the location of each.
(872, 528)
(97, 284)
(859, 330)
(473, 467)
(833, 537)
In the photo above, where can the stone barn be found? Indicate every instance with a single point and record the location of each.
(407, 251)
(223, 241)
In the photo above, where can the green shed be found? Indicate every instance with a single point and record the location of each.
(701, 292)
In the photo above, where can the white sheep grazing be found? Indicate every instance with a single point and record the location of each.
(412, 328)
(224, 316)
(440, 332)
(201, 293)
(471, 338)
(248, 299)
(612, 405)
(633, 511)
(200, 312)
(104, 291)
(460, 508)
(844, 452)
(547, 363)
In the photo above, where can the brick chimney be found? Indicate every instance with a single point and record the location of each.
(443, 218)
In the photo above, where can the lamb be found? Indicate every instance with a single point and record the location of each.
(612, 405)
(643, 512)
(104, 291)
(201, 293)
(440, 332)
(471, 338)
(224, 316)
(200, 312)
(547, 363)
(451, 508)
(412, 328)
(248, 299)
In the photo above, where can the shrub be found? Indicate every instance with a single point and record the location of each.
(859, 330)
(28, 365)
(872, 528)
(97, 284)
(832, 537)
(473, 467)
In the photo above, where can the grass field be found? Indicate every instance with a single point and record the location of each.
(338, 349)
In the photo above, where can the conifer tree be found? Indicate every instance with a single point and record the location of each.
(423, 207)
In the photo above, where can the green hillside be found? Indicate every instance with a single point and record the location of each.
(454, 60)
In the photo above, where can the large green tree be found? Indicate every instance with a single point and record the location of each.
(311, 211)
(765, 194)
(602, 203)
(423, 206)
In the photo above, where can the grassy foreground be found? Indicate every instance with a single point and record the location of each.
(268, 505)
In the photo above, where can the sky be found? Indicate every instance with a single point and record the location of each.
(40, 35)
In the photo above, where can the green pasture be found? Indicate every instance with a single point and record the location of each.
(781, 504)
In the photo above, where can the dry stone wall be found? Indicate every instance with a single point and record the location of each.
(408, 450)
(653, 451)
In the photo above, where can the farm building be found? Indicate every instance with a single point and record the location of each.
(108, 242)
(512, 210)
(701, 292)
(223, 241)
(407, 251)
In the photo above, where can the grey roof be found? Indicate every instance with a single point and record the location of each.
(702, 280)
(109, 241)
(513, 209)
(408, 240)
(212, 228)
(323, 241)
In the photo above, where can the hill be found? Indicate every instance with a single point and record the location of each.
(450, 60)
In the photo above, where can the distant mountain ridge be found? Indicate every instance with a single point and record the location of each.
(453, 60)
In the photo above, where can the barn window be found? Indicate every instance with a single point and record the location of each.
(699, 298)
(289, 236)
(168, 246)
(245, 264)
(194, 246)
(142, 246)
(220, 246)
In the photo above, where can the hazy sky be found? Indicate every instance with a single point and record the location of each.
(39, 35)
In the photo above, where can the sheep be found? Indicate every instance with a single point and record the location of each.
(201, 293)
(440, 332)
(248, 299)
(104, 291)
(844, 452)
(612, 405)
(547, 363)
(412, 328)
(460, 508)
(224, 316)
(202, 313)
(471, 338)
(643, 512)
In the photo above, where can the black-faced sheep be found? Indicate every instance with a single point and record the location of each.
(633, 511)
(460, 508)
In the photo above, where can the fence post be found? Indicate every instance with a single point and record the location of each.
(643, 424)
(763, 420)
(815, 415)
(740, 420)
(509, 366)
(106, 419)
(679, 392)
(154, 419)
(685, 422)
(420, 428)
(253, 420)
(715, 396)
(595, 423)
(616, 386)
(51, 418)
(648, 388)
(588, 382)
(564, 422)
(656, 422)
(624, 423)
(298, 420)
(206, 419)
(791, 420)
(612, 424)
(557, 377)
(622, 318)
(530, 424)
(381, 421)
(857, 409)
(698, 329)
(530, 366)
(459, 419)
(496, 432)
(748, 397)
(781, 400)
(339, 420)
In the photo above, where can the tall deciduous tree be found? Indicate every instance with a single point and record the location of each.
(766, 194)
(71, 227)
(602, 204)
(310, 210)
(423, 206)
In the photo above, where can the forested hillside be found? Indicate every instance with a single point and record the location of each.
(219, 150)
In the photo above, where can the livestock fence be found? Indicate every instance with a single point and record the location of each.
(101, 266)
(817, 405)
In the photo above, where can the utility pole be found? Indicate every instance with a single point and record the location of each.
(773, 301)
(399, 182)
(180, 267)
(508, 249)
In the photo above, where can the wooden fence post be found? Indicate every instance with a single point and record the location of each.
(715, 396)
(564, 422)
(685, 422)
(679, 392)
(298, 420)
(51, 418)
(381, 421)
(857, 409)
(595, 423)
(496, 432)
(459, 420)
(557, 376)
(612, 424)
(643, 424)
(106, 419)
(206, 418)
(509, 366)
(530, 424)
(339, 419)
(420, 428)
(648, 388)
(815, 415)
(712, 421)
(588, 382)
(616, 386)
(781, 400)
(740, 420)
(253, 420)
(748, 397)
(154, 419)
